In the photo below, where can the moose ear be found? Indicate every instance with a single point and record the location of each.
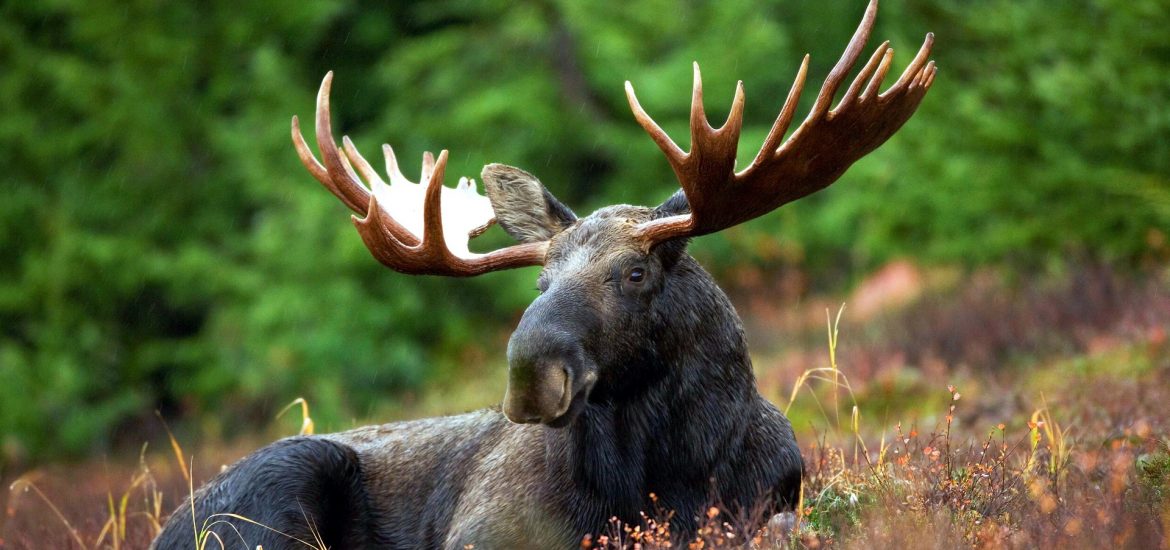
(524, 208)
(673, 206)
(671, 250)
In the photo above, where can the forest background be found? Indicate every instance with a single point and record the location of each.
(162, 249)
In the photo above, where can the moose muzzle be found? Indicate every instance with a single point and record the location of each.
(549, 373)
(548, 389)
(541, 394)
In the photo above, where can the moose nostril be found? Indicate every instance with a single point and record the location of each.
(566, 393)
(552, 391)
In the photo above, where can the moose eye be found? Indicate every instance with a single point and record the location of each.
(636, 275)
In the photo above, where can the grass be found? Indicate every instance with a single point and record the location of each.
(137, 514)
(129, 520)
(1086, 467)
(1063, 446)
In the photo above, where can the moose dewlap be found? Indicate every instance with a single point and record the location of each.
(629, 374)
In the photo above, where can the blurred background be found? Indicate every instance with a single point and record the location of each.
(162, 249)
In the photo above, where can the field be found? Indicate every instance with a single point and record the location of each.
(934, 410)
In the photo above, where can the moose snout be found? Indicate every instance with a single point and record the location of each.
(538, 393)
(550, 374)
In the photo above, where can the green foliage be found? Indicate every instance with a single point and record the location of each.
(833, 511)
(162, 248)
(1153, 472)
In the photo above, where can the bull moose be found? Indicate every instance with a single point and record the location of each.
(628, 375)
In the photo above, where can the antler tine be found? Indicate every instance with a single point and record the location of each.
(433, 240)
(360, 163)
(875, 82)
(311, 164)
(673, 152)
(315, 168)
(712, 150)
(787, 113)
(734, 122)
(867, 71)
(914, 67)
(699, 122)
(346, 185)
(392, 169)
(845, 64)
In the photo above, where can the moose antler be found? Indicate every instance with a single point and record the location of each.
(813, 157)
(429, 240)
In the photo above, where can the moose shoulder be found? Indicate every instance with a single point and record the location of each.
(628, 375)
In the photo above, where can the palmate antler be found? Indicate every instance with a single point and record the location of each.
(428, 240)
(817, 153)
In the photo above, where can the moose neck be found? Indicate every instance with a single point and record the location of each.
(688, 413)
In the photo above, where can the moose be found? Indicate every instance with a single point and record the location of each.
(628, 375)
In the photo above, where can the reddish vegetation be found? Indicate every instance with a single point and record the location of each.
(81, 495)
(940, 323)
(893, 286)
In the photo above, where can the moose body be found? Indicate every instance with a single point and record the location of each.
(630, 388)
(681, 420)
